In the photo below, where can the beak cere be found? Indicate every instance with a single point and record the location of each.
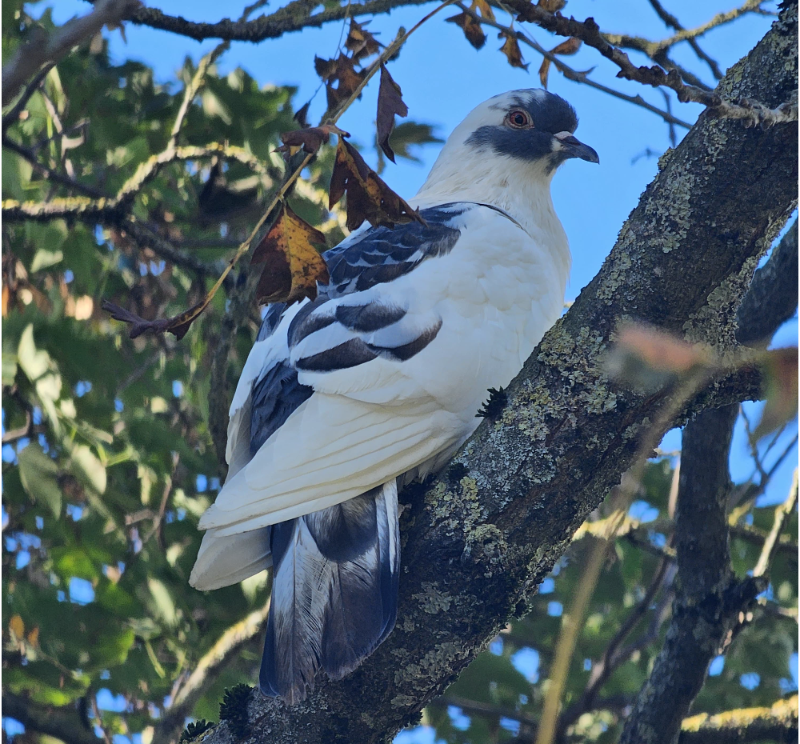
(571, 147)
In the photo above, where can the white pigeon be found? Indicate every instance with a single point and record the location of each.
(378, 380)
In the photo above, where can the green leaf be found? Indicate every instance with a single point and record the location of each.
(9, 368)
(164, 606)
(74, 561)
(85, 466)
(44, 259)
(39, 475)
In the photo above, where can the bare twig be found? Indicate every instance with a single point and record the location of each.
(612, 658)
(205, 673)
(772, 542)
(673, 23)
(48, 173)
(31, 56)
(751, 112)
(575, 76)
(709, 599)
(31, 88)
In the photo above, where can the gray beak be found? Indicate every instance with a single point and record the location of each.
(572, 147)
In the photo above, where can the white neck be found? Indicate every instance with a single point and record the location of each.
(519, 188)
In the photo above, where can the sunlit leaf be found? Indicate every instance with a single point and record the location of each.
(292, 261)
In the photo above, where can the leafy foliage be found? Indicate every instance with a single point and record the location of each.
(114, 463)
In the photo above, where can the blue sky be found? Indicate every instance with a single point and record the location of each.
(443, 78)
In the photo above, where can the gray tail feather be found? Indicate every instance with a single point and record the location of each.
(334, 591)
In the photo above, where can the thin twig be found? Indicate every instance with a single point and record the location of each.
(751, 112)
(771, 543)
(31, 88)
(48, 173)
(673, 23)
(575, 76)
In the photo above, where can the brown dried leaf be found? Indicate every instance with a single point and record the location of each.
(471, 28)
(292, 262)
(301, 115)
(368, 197)
(511, 49)
(341, 72)
(552, 6)
(780, 373)
(309, 139)
(177, 325)
(482, 7)
(360, 42)
(565, 48)
(390, 102)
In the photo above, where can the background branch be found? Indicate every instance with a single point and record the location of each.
(63, 724)
(39, 51)
(776, 724)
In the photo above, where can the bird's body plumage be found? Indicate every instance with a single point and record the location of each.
(376, 380)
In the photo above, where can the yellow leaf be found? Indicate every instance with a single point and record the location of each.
(292, 262)
(17, 626)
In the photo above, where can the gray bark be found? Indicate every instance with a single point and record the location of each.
(476, 545)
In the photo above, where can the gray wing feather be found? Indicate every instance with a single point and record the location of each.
(334, 593)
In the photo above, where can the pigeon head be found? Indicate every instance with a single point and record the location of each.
(532, 126)
(505, 153)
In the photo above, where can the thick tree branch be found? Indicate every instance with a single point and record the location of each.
(475, 550)
(708, 600)
(62, 723)
(776, 724)
(772, 297)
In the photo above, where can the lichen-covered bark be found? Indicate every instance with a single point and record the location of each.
(478, 541)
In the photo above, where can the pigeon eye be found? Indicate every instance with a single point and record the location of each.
(519, 119)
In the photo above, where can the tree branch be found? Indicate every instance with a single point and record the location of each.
(772, 542)
(39, 51)
(571, 74)
(749, 110)
(295, 16)
(475, 550)
(777, 724)
(673, 23)
(708, 599)
(104, 208)
(206, 672)
(772, 297)
(60, 722)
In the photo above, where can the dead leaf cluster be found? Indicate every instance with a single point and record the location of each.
(368, 196)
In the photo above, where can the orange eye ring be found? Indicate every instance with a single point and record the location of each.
(519, 119)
